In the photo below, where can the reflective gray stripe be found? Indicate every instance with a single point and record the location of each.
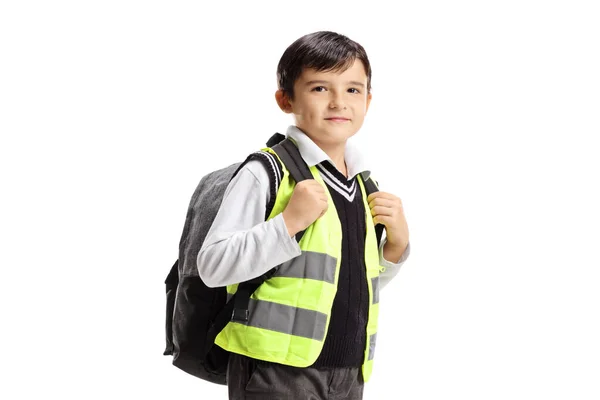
(375, 286)
(372, 346)
(309, 265)
(287, 319)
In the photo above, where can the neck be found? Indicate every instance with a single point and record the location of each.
(335, 151)
(337, 155)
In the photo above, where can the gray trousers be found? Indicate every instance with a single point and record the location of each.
(250, 379)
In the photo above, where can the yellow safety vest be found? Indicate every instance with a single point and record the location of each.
(289, 313)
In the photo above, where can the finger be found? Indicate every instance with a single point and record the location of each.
(379, 194)
(322, 204)
(382, 219)
(312, 183)
(385, 202)
(380, 210)
(393, 203)
(323, 211)
(319, 188)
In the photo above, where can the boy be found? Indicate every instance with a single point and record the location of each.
(312, 327)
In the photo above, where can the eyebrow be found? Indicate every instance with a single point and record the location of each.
(356, 83)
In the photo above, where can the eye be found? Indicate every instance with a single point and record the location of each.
(357, 91)
(318, 87)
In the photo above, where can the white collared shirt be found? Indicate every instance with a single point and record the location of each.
(313, 154)
(241, 245)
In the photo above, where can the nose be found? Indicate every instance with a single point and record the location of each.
(336, 101)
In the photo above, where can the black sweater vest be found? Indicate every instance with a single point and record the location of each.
(346, 336)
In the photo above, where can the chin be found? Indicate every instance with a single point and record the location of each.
(339, 134)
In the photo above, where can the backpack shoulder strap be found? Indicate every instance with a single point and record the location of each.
(372, 187)
(290, 156)
(293, 161)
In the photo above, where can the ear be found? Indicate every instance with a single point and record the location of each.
(283, 101)
(369, 96)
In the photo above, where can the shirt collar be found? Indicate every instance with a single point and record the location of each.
(313, 154)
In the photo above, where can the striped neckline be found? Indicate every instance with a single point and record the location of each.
(337, 181)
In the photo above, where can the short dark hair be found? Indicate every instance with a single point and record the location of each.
(323, 51)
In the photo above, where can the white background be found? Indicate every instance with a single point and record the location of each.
(484, 121)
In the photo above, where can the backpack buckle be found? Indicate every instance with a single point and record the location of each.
(240, 315)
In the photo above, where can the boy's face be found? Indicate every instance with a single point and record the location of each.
(321, 96)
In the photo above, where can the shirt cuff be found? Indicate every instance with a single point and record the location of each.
(289, 244)
(385, 263)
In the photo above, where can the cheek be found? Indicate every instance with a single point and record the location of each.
(313, 111)
(361, 109)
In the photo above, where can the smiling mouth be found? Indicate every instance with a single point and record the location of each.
(337, 119)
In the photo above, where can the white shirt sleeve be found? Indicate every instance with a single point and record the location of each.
(390, 269)
(240, 244)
